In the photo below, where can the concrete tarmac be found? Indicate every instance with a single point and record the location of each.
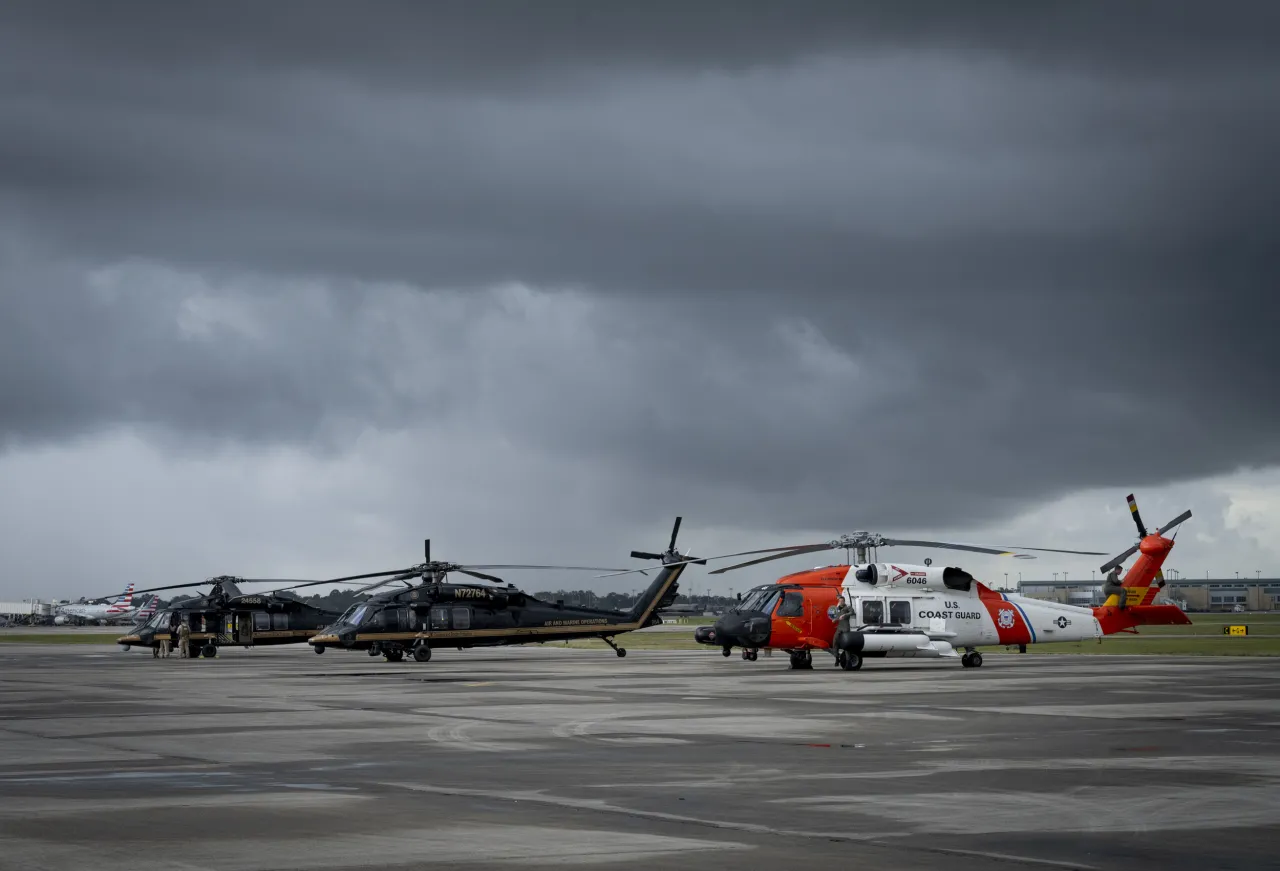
(275, 758)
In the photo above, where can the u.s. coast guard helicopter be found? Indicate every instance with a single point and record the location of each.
(875, 609)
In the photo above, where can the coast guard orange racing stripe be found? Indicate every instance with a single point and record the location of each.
(1011, 621)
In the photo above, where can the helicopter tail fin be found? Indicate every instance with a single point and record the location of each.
(660, 593)
(1114, 619)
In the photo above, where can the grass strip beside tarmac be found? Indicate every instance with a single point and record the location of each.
(59, 637)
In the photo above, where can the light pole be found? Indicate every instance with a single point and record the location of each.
(1055, 577)
(1259, 573)
(1064, 577)
(1237, 576)
(1093, 575)
(1006, 580)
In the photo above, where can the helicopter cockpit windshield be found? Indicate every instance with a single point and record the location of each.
(354, 615)
(759, 599)
(161, 619)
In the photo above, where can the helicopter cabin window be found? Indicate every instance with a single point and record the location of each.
(792, 605)
(357, 615)
(872, 612)
(439, 618)
(280, 620)
(461, 618)
(261, 621)
(900, 612)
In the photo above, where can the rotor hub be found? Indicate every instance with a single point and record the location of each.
(855, 540)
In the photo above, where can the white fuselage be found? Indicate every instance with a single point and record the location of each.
(109, 612)
(935, 614)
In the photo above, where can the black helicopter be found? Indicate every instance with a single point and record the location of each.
(227, 616)
(434, 613)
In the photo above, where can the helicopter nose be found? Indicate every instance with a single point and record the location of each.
(750, 629)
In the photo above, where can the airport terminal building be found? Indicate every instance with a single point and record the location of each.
(1198, 594)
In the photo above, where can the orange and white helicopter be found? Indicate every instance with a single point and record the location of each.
(876, 610)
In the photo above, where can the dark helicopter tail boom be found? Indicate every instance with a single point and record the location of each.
(663, 589)
(663, 586)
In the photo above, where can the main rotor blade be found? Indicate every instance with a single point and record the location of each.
(693, 560)
(367, 587)
(500, 566)
(675, 530)
(798, 551)
(482, 576)
(333, 581)
(702, 561)
(366, 575)
(171, 587)
(974, 548)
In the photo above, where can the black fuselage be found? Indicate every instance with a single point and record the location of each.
(244, 621)
(471, 615)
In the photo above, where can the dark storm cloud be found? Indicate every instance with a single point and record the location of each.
(983, 250)
(465, 41)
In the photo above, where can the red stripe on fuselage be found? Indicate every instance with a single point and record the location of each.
(1010, 626)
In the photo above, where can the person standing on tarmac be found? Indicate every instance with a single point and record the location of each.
(184, 640)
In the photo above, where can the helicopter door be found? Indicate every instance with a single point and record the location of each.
(228, 631)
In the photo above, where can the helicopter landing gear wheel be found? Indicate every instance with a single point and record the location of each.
(319, 648)
(848, 661)
(749, 655)
(209, 651)
(616, 649)
(801, 660)
(375, 649)
(728, 651)
(971, 659)
(421, 653)
(394, 655)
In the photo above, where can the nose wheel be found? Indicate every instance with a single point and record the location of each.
(749, 655)
(801, 660)
(972, 659)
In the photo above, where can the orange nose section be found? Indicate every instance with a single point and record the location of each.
(1155, 546)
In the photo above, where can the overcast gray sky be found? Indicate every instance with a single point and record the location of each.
(286, 287)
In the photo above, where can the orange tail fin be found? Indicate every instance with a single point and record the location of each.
(1115, 620)
(1143, 582)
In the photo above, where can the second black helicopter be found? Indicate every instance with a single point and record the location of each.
(436, 613)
